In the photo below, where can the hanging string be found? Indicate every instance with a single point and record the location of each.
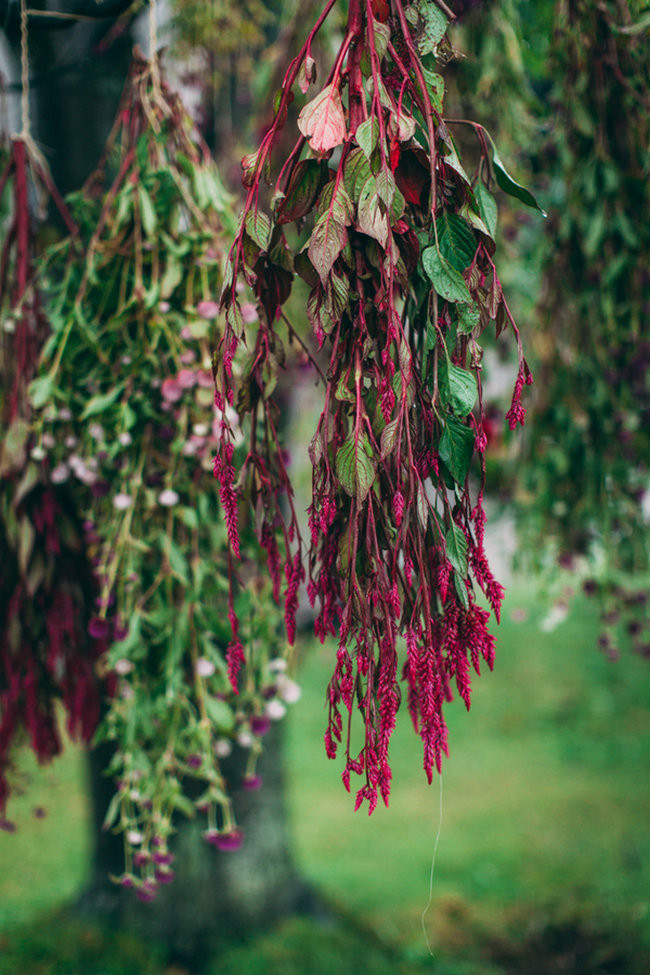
(24, 73)
(433, 866)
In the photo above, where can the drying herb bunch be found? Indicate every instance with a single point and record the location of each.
(45, 655)
(587, 491)
(398, 259)
(126, 422)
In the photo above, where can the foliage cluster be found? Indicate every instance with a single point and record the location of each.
(398, 259)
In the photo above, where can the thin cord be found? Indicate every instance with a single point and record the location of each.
(153, 50)
(433, 864)
(24, 72)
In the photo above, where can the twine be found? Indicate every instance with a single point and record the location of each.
(24, 73)
(153, 47)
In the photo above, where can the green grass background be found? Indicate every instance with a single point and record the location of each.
(545, 808)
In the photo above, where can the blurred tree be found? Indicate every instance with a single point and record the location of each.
(586, 485)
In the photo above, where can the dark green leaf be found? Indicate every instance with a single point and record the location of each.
(301, 192)
(456, 448)
(457, 241)
(446, 280)
(486, 207)
(462, 390)
(510, 185)
(456, 546)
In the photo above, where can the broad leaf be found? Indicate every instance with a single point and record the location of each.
(258, 228)
(462, 390)
(456, 448)
(356, 170)
(468, 318)
(456, 545)
(446, 280)
(367, 136)
(457, 241)
(301, 191)
(434, 27)
(355, 466)
(435, 86)
(322, 120)
(510, 185)
(486, 207)
(326, 243)
(372, 219)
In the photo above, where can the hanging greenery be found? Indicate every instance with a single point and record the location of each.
(395, 243)
(125, 420)
(587, 491)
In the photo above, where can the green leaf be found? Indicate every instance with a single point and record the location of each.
(372, 218)
(486, 207)
(468, 317)
(456, 448)
(328, 239)
(13, 446)
(510, 185)
(342, 392)
(258, 228)
(389, 438)
(456, 239)
(436, 87)
(461, 590)
(434, 27)
(463, 390)
(356, 170)
(220, 713)
(147, 212)
(422, 506)
(355, 466)
(40, 391)
(456, 546)
(367, 136)
(97, 404)
(446, 280)
(301, 192)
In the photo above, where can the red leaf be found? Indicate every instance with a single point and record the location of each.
(322, 120)
(380, 10)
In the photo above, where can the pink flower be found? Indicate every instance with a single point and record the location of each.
(122, 501)
(186, 379)
(171, 390)
(249, 313)
(208, 309)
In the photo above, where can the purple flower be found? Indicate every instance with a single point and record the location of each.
(98, 628)
(224, 841)
(251, 782)
(260, 724)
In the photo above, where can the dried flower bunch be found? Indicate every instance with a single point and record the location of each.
(125, 424)
(45, 654)
(395, 243)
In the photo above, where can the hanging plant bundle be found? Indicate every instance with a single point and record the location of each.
(125, 400)
(398, 259)
(45, 655)
(587, 491)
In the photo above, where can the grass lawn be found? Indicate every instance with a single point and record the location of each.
(545, 825)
